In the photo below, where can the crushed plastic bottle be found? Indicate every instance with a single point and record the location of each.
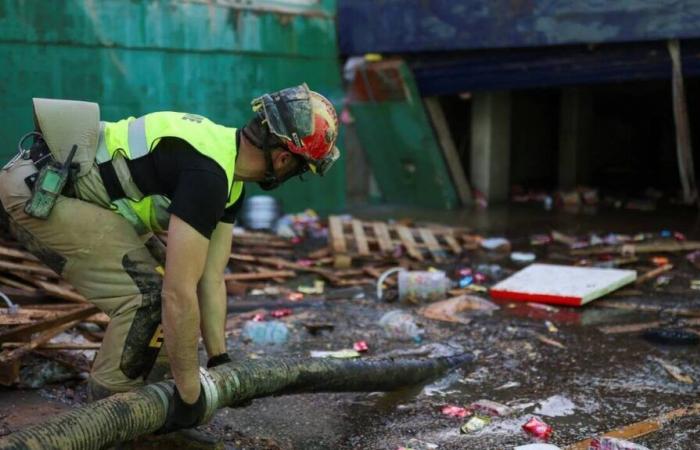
(401, 326)
(273, 332)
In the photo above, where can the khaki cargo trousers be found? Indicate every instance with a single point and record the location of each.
(100, 253)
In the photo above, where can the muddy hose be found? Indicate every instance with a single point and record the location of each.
(123, 417)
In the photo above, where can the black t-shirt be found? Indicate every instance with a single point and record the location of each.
(195, 184)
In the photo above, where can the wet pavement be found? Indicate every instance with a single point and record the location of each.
(596, 383)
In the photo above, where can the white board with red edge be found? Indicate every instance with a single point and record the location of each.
(561, 285)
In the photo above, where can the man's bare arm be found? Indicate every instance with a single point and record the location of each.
(212, 290)
(186, 257)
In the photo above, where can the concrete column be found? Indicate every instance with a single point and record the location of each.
(490, 144)
(574, 136)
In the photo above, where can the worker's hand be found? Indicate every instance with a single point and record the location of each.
(182, 415)
(218, 360)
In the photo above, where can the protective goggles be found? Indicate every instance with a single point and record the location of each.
(322, 166)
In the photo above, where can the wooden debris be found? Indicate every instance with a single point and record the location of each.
(259, 276)
(639, 327)
(633, 249)
(674, 371)
(653, 274)
(642, 428)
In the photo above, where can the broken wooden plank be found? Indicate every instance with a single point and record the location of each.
(17, 284)
(641, 428)
(57, 345)
(449, 150)
(31, 268)
(653, 274)
(259, 275)
(452, 243)
(381, 232)
(432, 243)
(15, 253)
(336, 235)
(360, 238)
(632, 249)
(24, 331)
(638, 327)
(8, 356)
(408, 242)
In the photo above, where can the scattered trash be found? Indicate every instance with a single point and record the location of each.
(338, 354)
(671, 336)
(522, 257)
(422, 286)
(451, 310)
(695, 285)
(260, 212)
(551, 327)
(538, 429)
(360, 346)
(508, 385)
(549, 341)
(266, 333)
(317, 288)
(496, 244)
(610, 443)
(295, 296)
(282, 312)
(491, 408)
(475, 423)
(400, 325)
(567, 285)
(659, 261)
(493, 271)
(556, 406)
(537, 447)
(675, 371)
(466, 281)
(456, 411)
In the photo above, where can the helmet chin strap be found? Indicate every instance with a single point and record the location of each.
(267, 143)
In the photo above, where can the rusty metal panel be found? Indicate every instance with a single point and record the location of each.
(409, 26)
(206, 57)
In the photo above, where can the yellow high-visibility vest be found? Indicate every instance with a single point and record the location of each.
(136, 137)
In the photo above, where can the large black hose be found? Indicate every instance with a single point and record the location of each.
(123, 417)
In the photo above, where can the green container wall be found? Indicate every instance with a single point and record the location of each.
(403, 151)
(138, 56)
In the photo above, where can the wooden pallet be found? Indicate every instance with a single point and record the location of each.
(367, 239)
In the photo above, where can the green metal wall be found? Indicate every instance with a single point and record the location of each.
(403, 150)
(137, 56)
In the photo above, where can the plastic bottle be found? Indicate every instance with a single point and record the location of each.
(401, 326)
(266, 333)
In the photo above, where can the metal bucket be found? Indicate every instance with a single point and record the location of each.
(260, 212)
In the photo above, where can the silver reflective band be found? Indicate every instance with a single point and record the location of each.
(138, 146)
(102, 154)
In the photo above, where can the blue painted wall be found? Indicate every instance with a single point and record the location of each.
(409, 26)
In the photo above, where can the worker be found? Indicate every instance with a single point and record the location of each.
(87, 196)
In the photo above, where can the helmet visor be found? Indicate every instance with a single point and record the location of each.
(288, 113)
(322, 166)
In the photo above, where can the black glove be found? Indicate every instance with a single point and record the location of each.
(182, 415)
(218, 360)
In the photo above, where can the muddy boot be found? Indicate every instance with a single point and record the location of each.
(190, 439)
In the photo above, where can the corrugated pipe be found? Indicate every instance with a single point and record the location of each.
(123, 417)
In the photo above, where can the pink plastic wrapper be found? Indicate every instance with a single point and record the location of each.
(360, 346)
(282, 312)
(609, 443)
(295, 296)
(456, 411)
(260, 317)
(540, 430)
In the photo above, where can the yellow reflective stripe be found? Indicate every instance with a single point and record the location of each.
(138, 145)
(102, 154)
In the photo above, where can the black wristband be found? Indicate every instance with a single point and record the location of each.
(218, 360)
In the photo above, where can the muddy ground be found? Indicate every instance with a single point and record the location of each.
(596, 383)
